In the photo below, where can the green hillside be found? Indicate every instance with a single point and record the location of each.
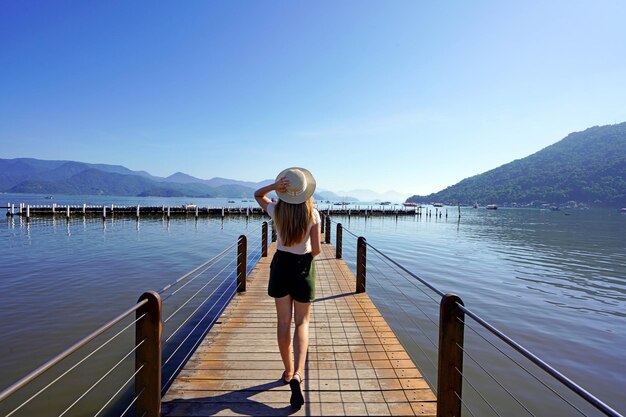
(585, 167)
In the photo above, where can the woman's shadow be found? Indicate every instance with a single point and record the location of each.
(239, 402)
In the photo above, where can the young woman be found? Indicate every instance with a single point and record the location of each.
(292, 271)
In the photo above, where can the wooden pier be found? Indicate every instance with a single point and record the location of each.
(355, 364)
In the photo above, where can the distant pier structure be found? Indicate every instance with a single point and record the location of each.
(191, 210)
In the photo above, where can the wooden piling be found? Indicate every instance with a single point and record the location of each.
(148, 333)
(264, 239)
(361, 259)
(328, 229)
(450, 366)
(338, 241)
(242, 256)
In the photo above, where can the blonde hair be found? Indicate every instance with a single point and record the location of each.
(293, 221)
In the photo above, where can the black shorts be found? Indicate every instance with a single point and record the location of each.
(294, 275)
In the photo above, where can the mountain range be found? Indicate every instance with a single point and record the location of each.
(29, 175)
(585, 167)
(369, 195)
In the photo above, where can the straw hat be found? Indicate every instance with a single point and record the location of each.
(301, 185)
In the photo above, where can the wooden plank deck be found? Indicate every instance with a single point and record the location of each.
(355, 365)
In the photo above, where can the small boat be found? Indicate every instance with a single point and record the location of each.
(49, 197)
(623, 210)
(554, 208)
(410, 204)
(189, 206)
(475, 205)
(385, 203)
(437, 204)
(491, 207)
(231, 201)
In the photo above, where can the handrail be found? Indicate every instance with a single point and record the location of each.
(432, 287)
(188, 274)
(542, 364)
(147, 356)
(567, 382)
(58, 358)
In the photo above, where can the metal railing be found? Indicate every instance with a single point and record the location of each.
(160, 344)
(450, 327)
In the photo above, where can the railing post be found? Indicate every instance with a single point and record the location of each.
(361, 259)
(328, 229)
(450, 368)
(323, 218)
(148, 356)
(264, 240)
(242, 255)
(338, 241)
(273, 232)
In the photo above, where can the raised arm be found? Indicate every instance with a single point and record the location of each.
(260, 194)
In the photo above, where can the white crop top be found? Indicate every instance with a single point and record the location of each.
(302, 247)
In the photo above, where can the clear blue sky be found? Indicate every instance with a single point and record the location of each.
(412, 96)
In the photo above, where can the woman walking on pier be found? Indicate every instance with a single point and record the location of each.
(292, 271)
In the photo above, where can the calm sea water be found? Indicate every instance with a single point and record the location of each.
(554, 282)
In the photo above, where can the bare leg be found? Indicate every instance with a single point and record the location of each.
(301, 335)
(283, 332)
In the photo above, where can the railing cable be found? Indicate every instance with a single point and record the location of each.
(176, 282)
(521, 366)
(477, 391)
(192, 350)
(195, 294)
(132, 402)
(413, 339)
(415, 286)
(590, 398)
(495, 380)
(199, 274)
(201, 304)
(467, 407)
(432, 287)
(405, 312)
(185, 339)
(66, 353)
(102, 378)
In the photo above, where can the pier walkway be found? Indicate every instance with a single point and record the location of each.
(355, 365)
